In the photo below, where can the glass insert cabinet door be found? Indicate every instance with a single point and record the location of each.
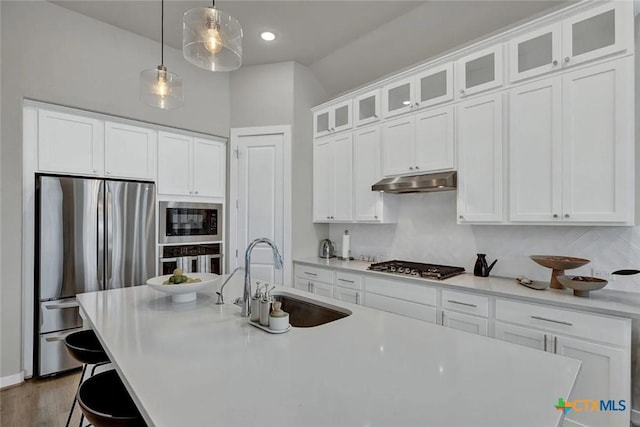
(535, 53)
(398, 97)
(598, 32)
(332, 119)
(434, 86)
(480, 71)
(366, 108)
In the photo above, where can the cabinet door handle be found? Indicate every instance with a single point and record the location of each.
(462, 303)
(567, 215)
(311, 286)
(566, 59)
(410, 167)
(555, 62)
(555, 345)
(345, 280)
(108, 172)
(417, 167)
(561, 322)
(358, 298)
(555, 215)
(375, 116)
(545, 342)
(95, 171)
(462, 91)
(417, 103)
(196, 192)
(461, 216)
(442, 317)
(310, 274)
(375, 217)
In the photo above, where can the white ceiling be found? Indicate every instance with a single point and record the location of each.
(341, 41)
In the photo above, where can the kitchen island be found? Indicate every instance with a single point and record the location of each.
(200, 364)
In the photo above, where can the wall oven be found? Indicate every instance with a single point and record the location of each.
(192, 259)
(185, 222)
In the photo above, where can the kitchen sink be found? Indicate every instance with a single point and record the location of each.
(307, 313)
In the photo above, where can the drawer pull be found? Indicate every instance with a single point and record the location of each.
(555, 345)
(545, 342)
(310, 274)
(561, 322)
(462, 303)
(358, 298)
(345, 280)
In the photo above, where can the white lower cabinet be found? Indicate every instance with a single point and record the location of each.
(464, 322)
(606, 365)
(348, 295)
(398, 306)
(314, 287)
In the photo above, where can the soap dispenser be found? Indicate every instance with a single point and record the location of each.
(255, 304)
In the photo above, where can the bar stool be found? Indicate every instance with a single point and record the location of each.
(105, 402)
(84, 347)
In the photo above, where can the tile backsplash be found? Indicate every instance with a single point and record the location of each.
(426, 231)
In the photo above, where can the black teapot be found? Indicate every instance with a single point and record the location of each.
(482, 269)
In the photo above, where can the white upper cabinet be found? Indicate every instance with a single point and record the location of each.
(480, 71)
(332, 119)
(598, 140)
(70, 144)
(190, 166)
(426, 88)
(366, 172)
(419, 143)
(209, 165)
(535, 53)
(434, 140)
(480, 169)
(535, 151)
(74, 144)
(601, 31)
(398, 146)
(129, 151)
(333, 179)
(589, 35)
(366, 108)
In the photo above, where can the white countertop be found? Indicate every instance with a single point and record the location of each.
(200, 364)
(615, 303)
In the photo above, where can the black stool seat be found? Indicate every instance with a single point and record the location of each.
(85, 347)
(105, 402)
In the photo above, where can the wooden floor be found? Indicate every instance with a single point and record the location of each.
(41, 403)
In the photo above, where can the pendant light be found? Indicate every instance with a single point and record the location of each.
(212, 39)
(158, 87)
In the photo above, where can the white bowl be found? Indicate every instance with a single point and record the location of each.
(183, 292)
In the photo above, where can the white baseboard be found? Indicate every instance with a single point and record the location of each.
(11, 380)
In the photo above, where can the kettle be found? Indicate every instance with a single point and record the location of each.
(482, 269)
(327, 249)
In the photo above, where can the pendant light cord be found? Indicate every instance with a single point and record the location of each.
(162, 34)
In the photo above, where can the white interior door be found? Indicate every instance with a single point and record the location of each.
(260, 189)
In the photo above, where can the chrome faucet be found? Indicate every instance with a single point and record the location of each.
(277, 260)
(219, 293)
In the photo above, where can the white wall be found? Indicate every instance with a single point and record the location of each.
(54, 55)
(276, 94)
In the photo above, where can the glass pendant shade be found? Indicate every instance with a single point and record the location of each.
(212, 39)
(161, 89)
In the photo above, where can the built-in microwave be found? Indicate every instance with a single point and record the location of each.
(185, 222)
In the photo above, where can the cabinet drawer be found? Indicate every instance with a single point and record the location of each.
(404, 308)
(348, 280)
(465, 303)
(313, 273)
(595, 327)
(401, 290)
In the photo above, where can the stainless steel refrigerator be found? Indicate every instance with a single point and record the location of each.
(91, 235)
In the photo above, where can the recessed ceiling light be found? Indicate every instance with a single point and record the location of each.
(267, 36)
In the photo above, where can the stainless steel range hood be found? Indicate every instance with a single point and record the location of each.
(442, 181)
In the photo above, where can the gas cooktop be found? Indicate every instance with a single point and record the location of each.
(407, 268)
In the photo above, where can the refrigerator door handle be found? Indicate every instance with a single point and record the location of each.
(62, 305)
(100, 236)
(108, 225)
